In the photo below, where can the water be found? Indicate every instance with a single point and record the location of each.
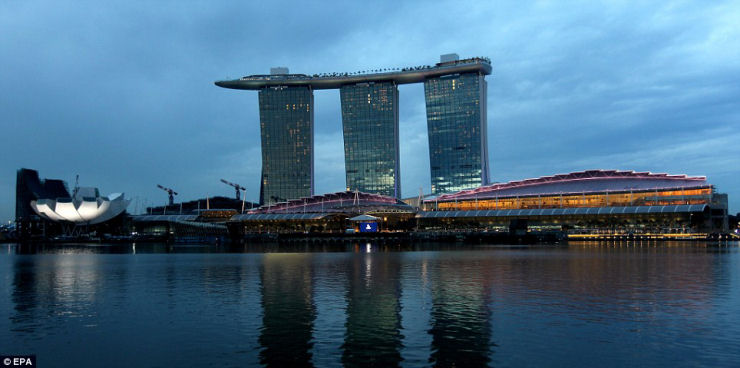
(606, 305)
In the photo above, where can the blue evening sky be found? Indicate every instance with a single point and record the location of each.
(122, 93)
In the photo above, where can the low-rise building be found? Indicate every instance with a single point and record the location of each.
(589, 201)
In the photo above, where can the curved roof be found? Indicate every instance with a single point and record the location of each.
(86, 207)
(589, 181)
(278, 216)
(164, 218)
(337, 202)
(336, 80)
(631, 210)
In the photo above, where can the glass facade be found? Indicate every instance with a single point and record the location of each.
(456, 121)
(370, 124)
(286, 122)
(656, 197)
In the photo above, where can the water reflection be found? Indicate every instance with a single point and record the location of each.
(24, 296)
(582, 305)
(373, 336)
(289, 312)
(57, 288)
(461, 317)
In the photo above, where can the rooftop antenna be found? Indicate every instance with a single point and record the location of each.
(169, 191)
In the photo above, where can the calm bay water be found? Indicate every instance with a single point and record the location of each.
(605, 305)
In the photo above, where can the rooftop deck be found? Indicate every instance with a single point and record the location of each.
(335, 80)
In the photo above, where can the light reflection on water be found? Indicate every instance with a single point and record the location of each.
(609, 304)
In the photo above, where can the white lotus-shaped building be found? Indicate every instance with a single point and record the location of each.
(86, 207)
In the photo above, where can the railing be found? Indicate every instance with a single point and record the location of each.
(259, 77)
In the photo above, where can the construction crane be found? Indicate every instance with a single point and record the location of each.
(238, 187)
(169, 191)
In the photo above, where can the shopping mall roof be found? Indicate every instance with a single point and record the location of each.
(590, 181)
(279, 216)
(345, 202)
(632, 210)
(364, 218)
(164, 218)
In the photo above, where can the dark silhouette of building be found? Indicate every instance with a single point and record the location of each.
(29, 187)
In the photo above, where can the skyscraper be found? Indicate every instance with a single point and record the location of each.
(456, 122)
(286, 126)
(370, 124)
(455, 92)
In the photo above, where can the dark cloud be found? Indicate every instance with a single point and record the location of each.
(122, 93)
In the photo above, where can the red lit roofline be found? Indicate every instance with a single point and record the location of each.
(586, 192)
(574, 176)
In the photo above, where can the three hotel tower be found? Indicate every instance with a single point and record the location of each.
(455, 94)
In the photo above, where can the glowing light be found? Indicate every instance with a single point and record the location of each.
(84, 208)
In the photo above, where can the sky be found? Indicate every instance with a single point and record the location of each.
(122, 93)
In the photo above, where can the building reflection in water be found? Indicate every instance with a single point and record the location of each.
(24, 296)
(353, 309)
(416, 302)
(62, 287)
(461, 314)
(330, 288)
(373, 336)
(289, 312)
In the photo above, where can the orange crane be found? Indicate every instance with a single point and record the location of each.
(169, 191)
(238, 187)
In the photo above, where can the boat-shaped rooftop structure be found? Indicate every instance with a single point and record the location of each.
(416, 74)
